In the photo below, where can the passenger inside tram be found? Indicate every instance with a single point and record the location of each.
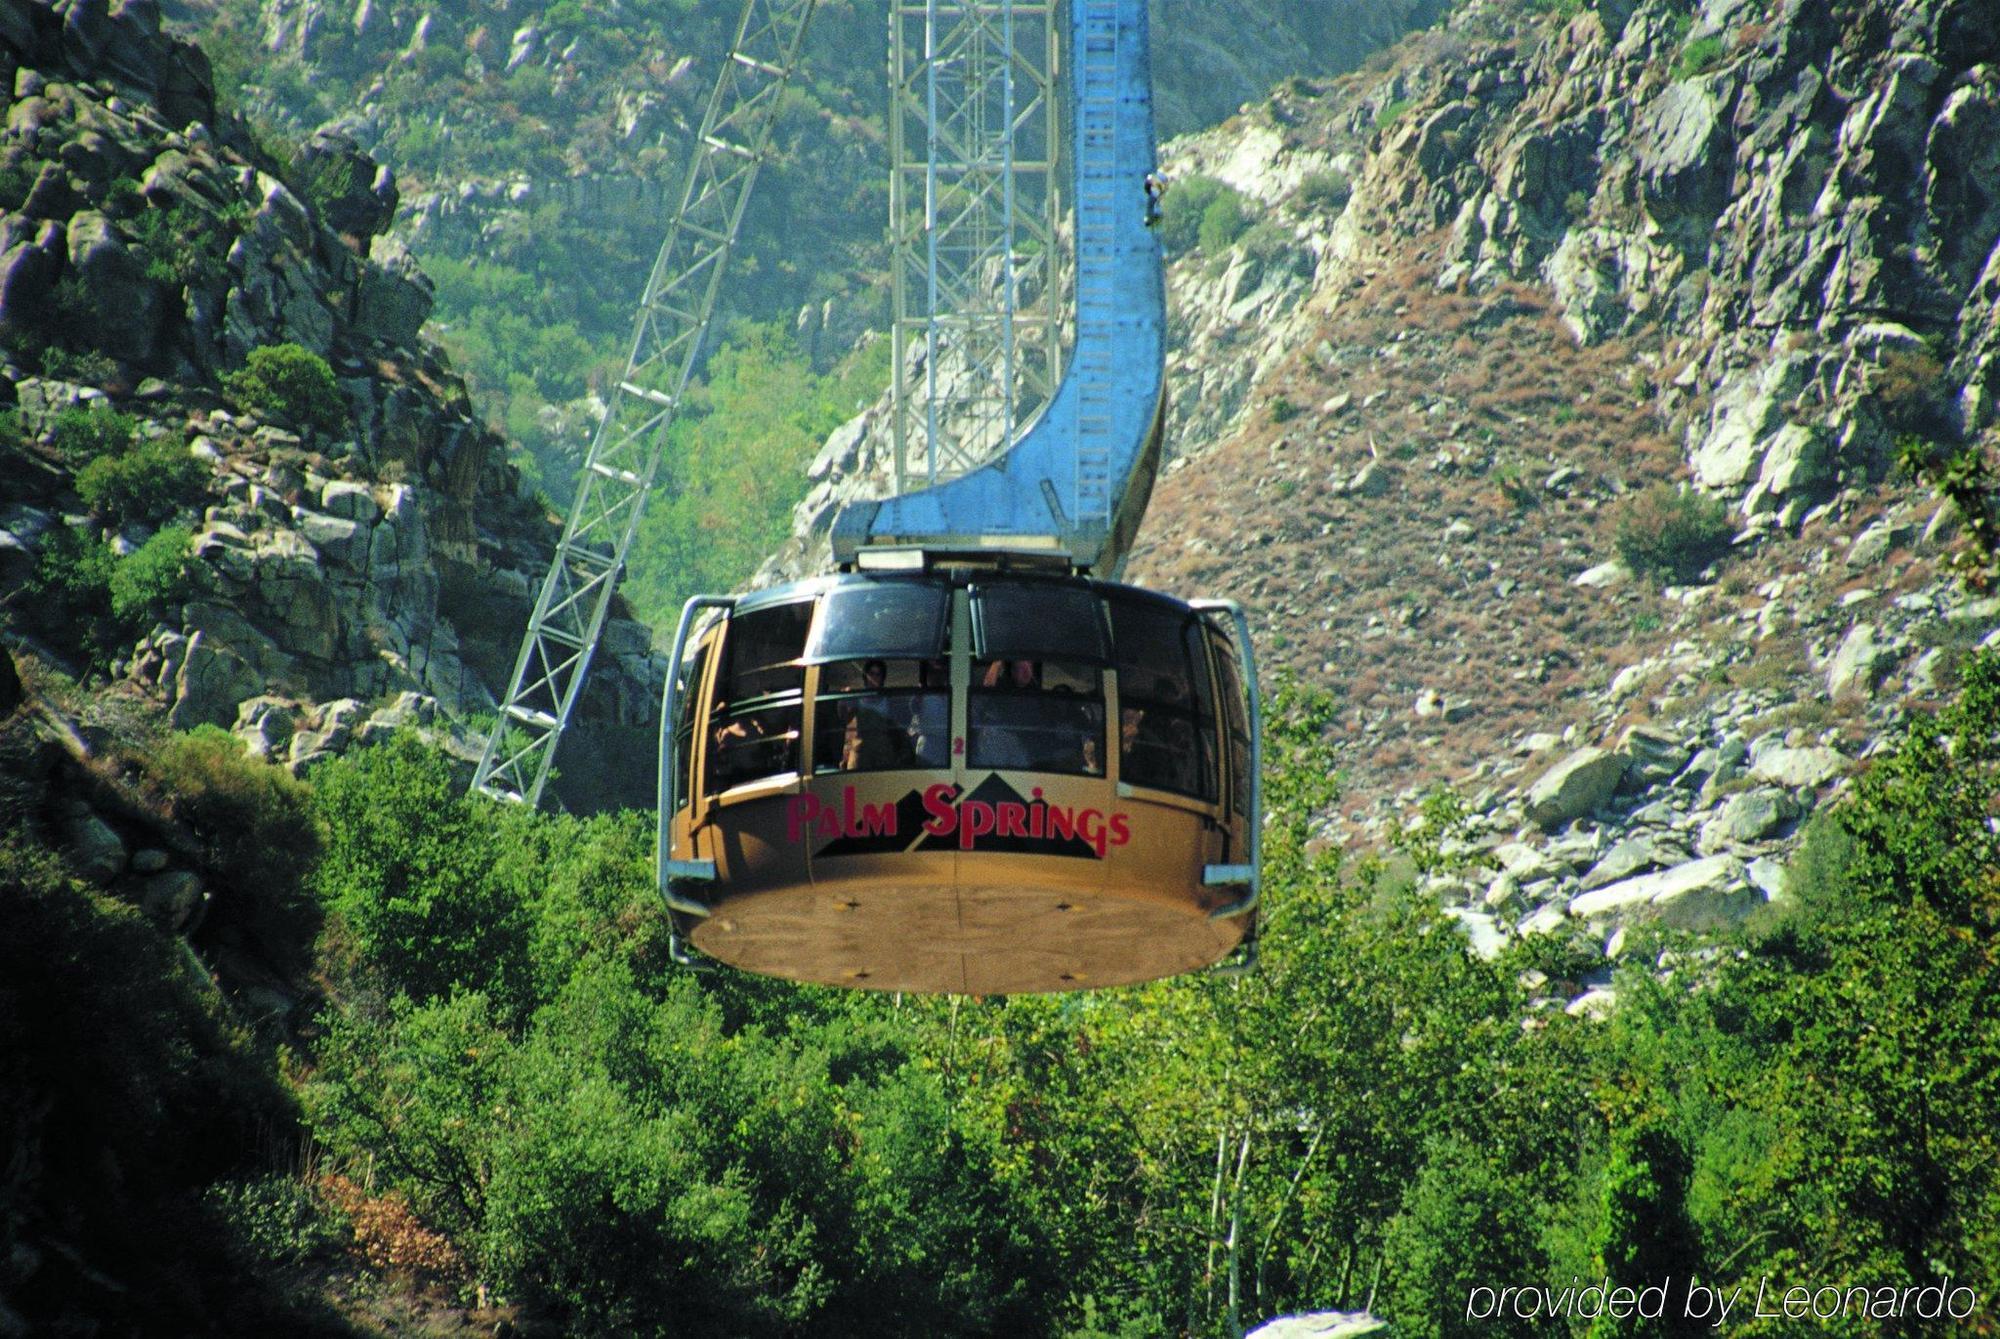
(1041, 716)
(877, 715)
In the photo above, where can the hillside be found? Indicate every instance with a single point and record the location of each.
(1475, 341)
(539, 147)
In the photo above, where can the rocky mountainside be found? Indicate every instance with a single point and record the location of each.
(1539, 297)
(340, 573)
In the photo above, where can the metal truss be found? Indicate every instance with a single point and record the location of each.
(674, 315)
(973, 228)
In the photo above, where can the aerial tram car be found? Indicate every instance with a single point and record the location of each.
(968, 759)
(964, 762)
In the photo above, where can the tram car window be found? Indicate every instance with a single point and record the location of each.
(1166, 721)
(1036, 716)
(1238, 731)
(881, 620)
(881, 715)
(759, 697)
(684, 750)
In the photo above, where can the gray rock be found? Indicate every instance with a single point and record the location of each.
(1603, 576)
(350, 501)
(1655, 757)
(394, 298)
(1798, 768)
(1595, 1004)
(99, 852)
(266, 725)
(1700, 894)
(149, 860)
(1859, 663)
(1578, 785)
(175, 900)
(1482, 931)
(1769, 877)
(212, 681)
(1872, 545)
(340, 540)
(1747, 817)
(1371, 480)
(1547, 920)
(1796, 460)
(1632, 856)
(1528, 863)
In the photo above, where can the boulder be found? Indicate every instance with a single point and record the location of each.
(1654, 757)
(175, 900)
(1632, 856)
(350, 501)
(1859, 663)
(125, 304)
(1700, 894)
(1578, 785)
(1594, 1004)
(1747, 817)
(1799, 768)
(1482, 932)
(98, 851)
(1796, 460)
(211, 682)
(356, 196)
(266, 725)
(394, 297)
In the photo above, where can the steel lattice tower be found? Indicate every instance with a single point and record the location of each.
(674, 315)
(973, 204)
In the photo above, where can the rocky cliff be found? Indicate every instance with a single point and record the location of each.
(368, 569)
(1590, 259)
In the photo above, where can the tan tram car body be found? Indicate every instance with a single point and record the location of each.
(961, 783)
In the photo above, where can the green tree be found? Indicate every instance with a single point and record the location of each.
(292, 383)
(418, 876)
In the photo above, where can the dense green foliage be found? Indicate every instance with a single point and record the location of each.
(1200, 211)
(291, 383)
(126, 1089)
(81, 435)
(652, 1152)
(145, 483)
(258, 833)
(639, 1150)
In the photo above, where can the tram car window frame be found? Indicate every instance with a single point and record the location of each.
(1229, 673)
(877, 715)
(1167, 731)
(757, 712)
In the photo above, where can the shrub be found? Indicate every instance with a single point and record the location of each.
(292, 383)
(1328, 191)
(152, 577)
(148, 483)
(86, 367)
(70, 592)
(10, 429)
(278, 1222)
(85, 434)
(1671, 531)
(1183, 209)
(256, 825)
(1699, 57)
(1392, 112)
(179, 247)
(1222, 222)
